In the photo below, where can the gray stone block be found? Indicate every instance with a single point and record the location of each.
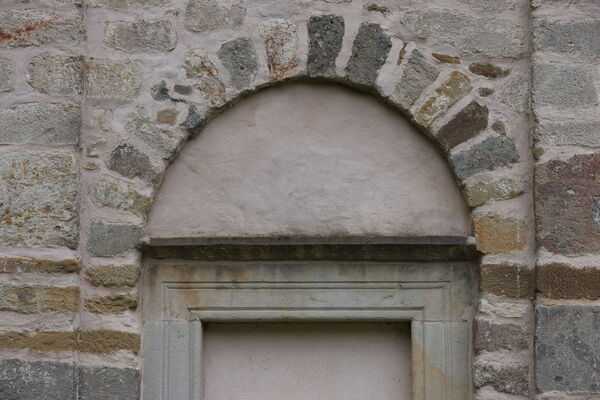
(490, 154)
(38, 27)
(40, 123)
(23, 380)
(105, 383)
(503, 376)
(132, 163)
(568, 348)
(325, 38)
(110, 239)
(140, 36)
(239, 58)
(120, 195)
(578, 37)
(563, 85)
(106, 79)
(56, 74)
(211, 15)
(7, 76)
(418, 73)
(369, 52)
(569, 132)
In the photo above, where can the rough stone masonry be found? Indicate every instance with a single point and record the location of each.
(97, 97)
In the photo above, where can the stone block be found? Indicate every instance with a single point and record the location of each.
(11, 265)
(488, 70)
(110, 239)
(369, 52)
(40, 123)
(490, 37)
(111, 304)
(281, 45)
(19, 28)
(163, 141)
(7, 76)
(514, 92)
(140, 36)
(566, 195)
(40, 380)
(569, 133)
(39, 299)
(239, 58)
(563, 85)
(503, 376)
(128, 4)
(325, 38)
(38, 199)
(468, 123)
(563, 281)
(106, 383)
(502, 189)
(56, 74)
(496, 234)
(504, 308)
(205, 76)
(417, 74)
(132, 163)
(507, 280)
(568, 348)
(211, 15)
(488, 155)
(113, 275)
(494, 336)
(573, 37)
(452, 90)
(121, 196)
(105, 79)
(106, 341)
(41, 342)
(492, 5)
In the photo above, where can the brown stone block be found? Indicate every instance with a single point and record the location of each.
(113, 275)
(113, 304)
(491, 336)
(107, 341)
(33, 265)
(467, 124)
(496, 234)
(39, 299)
(506, 280)
(562, 281)
(39, 342)
(452, 90)
(567, 204)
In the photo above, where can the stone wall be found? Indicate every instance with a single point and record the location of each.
(98, 96)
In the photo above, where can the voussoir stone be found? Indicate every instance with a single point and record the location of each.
(566, 194)
(140, 36)
(7, 76)
(502, 189)
(281, 46)
(38, 199)
(468, 123)
(108, 239)
(19, 28)
(130, 162)
(41, 380)
(563, 85)
(325, 38)
(239, 58)
(56, 74)
(488, 155)
(418, 74)
(578, 37)
(205, 76)
(103, 383)
(113, 275)
(106, 79)
(120, 195)
(369, 52)
(165, 142)
(451, 90)
(568, 348)
(210, 15)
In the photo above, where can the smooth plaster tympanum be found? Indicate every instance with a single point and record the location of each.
(309, 159)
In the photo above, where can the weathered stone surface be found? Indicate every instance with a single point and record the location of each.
(281, 45)
(490, 154)
(105, 341)
(563, 85)
(567, 37)
(568, 348)
(126, 4)
(200, 70)
(38, 27)
(562, 281)
(481, 193)
(210, 15)
(488, 70)
(7, 76)
(496, 234)
(12, 265)
(38, 199)
(39, 299)
(369, 52)
(105, 383)
(140, 36)
(41, 380)
(45, 341)
(512, 378)
(121, 196)
(491, 336)
(56, 74)
(467, 124)
(107, 79)
(239, 58)
(40, 123)
(452, 90)
(566, 193)
(112, 304)
(569, 133)
(418, 73)
(325, 38)
(487, 36)
(108, 239)
(113, 275)
(168, 116)
(131, 163)
(165, 142)
(506, 280)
